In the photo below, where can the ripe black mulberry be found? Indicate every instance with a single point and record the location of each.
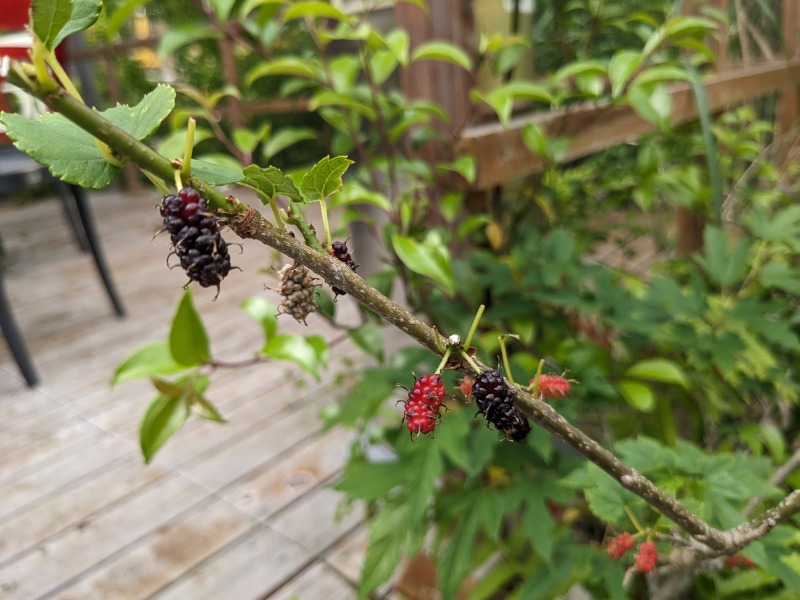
(496, 403)
(339, 251)
(196, 239)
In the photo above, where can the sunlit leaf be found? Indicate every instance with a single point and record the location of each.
(188, 340)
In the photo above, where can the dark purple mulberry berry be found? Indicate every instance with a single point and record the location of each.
(496, 403)
(195, 236)
(339, 251)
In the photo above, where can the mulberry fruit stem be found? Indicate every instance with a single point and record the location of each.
(474, 327)
(633, 518)
(444, 361)
(297, 219)
(468, 359)
(323, 207)
(188, 147)
(534, 387)
(504, 353)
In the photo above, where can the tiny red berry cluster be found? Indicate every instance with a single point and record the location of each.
(647, 558)
(620, 545)
(496, 403)
(339, 251)
(553, 386)
(195, 236)
(421, 411)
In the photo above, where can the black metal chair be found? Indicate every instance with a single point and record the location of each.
(18, 173)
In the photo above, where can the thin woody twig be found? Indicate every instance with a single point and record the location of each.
(248, 223)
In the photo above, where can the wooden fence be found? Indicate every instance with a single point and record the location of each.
(500, 154)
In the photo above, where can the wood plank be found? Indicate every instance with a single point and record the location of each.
(67, 509)
(266, 491)
(501, 155)
(53, 478)
(263, 442)
(19, 462)
(320, 581)
(163, 556)
(314, 521)
(63, 558)
(250, 570)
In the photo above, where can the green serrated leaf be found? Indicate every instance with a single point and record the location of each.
(48, 18)
(263, 313)
(289, 346)
(142, 120)
(70, 153)
(325, 178)
(444, 51)
(659, 369)
(84, 14)
(269, 183)
(188, 340)
(163, 419)
(149, 360)
(67, 150)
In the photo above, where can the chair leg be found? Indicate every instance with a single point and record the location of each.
(15, 342)
(85, 213)
(71, 211)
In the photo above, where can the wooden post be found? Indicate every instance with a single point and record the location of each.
(789, 101)
(719, 43)
(438, 81)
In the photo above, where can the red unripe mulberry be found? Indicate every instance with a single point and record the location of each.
(620, 545)
(647, 558)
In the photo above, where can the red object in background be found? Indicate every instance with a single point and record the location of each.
(14, 14)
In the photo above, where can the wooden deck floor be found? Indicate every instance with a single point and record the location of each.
(237, 511)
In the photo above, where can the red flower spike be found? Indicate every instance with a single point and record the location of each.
(647, 558)
(421, 411)
(620, 545)
(553, 386)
